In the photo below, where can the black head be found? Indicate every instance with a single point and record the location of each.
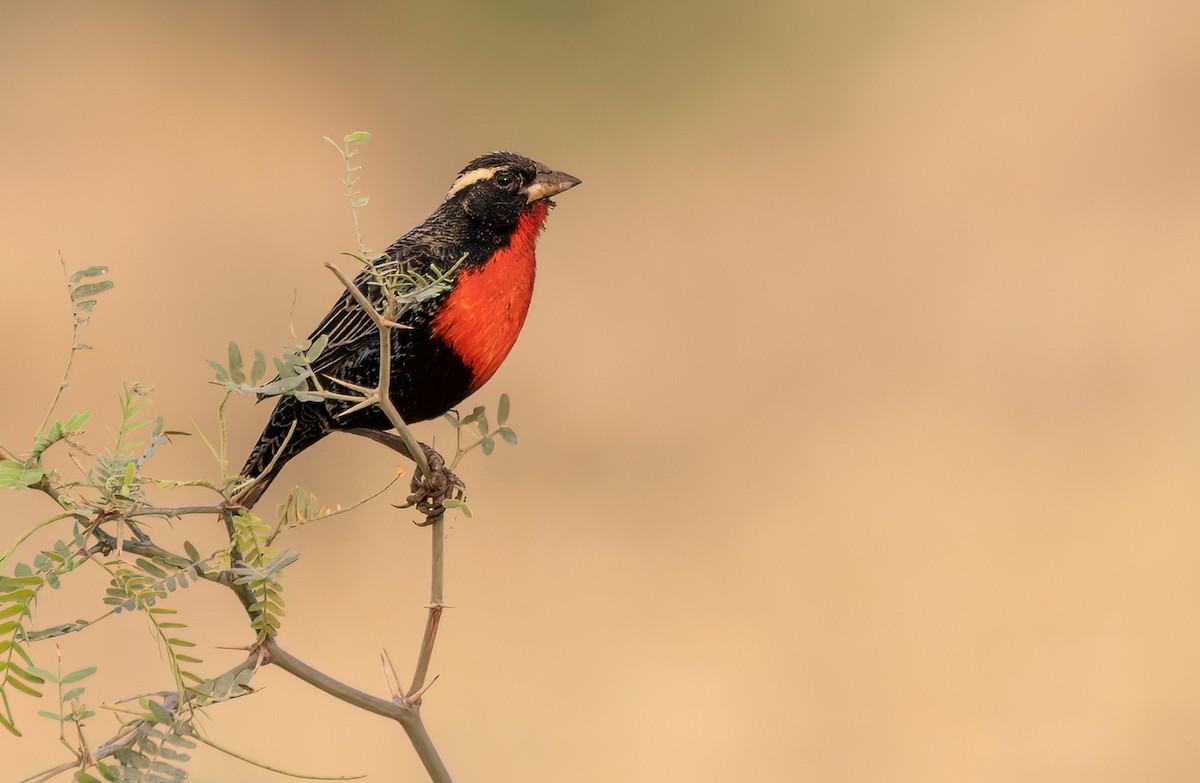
(494, 189)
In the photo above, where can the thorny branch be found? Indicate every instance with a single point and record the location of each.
(405, 709)
(379, 396)
(432, 484)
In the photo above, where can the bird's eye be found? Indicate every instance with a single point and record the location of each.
(505, 179)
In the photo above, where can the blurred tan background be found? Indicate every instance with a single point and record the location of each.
(858, 401)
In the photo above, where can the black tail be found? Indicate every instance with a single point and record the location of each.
(312, 422)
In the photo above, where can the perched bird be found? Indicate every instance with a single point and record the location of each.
(452, 343)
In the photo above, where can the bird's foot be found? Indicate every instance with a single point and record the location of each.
(429, 491)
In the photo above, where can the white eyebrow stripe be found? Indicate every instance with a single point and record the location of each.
(472, 177)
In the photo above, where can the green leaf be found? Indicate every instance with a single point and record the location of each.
(502, 410)
(235, 363)
(16, 475)
(20, 595)
(222, 374)
(172, 755)
(76, 676)
(23, 688)
(19, 650)
(509, 436)
(317, 348)
(159, 712)
(489, 444)
(76, 421)
(50, 715)
(91, 271)
(161, 771)
(359, 202)
(42, 674)
(8, 725)
(259, 368)
(287, 384)
(88, 290)
(23, 576)
(150, 568)
(358, 137)
(27, 676)
(131, 758)
(192, 553)
(74, 693)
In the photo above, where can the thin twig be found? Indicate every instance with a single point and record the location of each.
(130, 732)
(332, 513)
(243, 489)
(62, 385)
(172, 512)
(123, 739)
(264, 765)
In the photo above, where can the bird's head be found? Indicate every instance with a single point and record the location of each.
(496, 188)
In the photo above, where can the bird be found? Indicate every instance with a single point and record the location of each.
(447, 346)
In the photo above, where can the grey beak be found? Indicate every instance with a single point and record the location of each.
(550, 183)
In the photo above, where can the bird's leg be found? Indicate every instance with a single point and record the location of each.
(389, 439)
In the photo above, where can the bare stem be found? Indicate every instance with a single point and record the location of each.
(436, 606)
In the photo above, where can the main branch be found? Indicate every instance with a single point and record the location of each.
(404, 710)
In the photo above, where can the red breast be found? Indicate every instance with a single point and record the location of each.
(483, 315)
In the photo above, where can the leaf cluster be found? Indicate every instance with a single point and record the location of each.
(84, 290)
(156, 754)
(259, 569)
(486, 440)
(294, 375)
(349, 180)
(116, 470)
(401, 286)
(71, 709)
(18, 596)
(487, 435)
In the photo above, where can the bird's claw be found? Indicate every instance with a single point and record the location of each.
(428, 492)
